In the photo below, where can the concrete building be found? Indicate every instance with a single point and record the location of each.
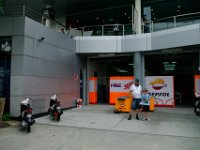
(40, 61)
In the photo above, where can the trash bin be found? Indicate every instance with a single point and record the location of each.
(123, 104)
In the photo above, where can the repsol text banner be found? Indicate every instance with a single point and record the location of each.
(119, 86)
(162, 89)
(197, 83)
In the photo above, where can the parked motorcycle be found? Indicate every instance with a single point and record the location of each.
(26, 118)
(55, 110)
(197, 104)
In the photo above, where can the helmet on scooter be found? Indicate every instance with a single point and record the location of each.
(54, 97)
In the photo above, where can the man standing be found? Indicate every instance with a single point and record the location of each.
(136, 93)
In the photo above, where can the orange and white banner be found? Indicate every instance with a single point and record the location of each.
(119, 86)
(197, 83)
(93, 90)
(162, 89)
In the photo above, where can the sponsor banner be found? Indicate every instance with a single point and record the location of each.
(162, 89)
(197, 83)
(120, 84)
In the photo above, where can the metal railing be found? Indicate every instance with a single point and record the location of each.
(22, 10)
(175, 21)
(107, 29)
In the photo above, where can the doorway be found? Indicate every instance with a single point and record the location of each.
(180, 65)
(5, 67)
(105, 67)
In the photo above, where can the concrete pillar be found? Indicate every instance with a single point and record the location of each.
(138, 8)
(48, 20)
(138, 67)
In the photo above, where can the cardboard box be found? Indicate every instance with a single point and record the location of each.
(2, 103)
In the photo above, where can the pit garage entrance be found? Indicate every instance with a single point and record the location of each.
(182, 66)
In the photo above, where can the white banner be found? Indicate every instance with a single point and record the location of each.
(162, 88)
(120, 85)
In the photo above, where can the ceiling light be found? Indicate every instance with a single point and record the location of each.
(122, 71)
(166, 62)
(125, 13)
(169, 67)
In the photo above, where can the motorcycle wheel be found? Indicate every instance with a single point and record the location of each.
(58, 118)
(28, 128)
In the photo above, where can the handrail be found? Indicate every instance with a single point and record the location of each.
(107, 29)
(176, 16)
(178, 20)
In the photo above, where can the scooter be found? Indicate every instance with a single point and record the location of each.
(197, 104)
(26, 118)
(55, 110)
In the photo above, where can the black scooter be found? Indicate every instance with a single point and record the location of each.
(26, 118)
(197, 104)
(55, 110)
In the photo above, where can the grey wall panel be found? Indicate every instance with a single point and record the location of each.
(21, 65)
(44, 86)
(65, 57)
(44, 68)
(45, 51)
(15, 105)
(6, 26)
(65, 70)
(33, 86)
(66, 43)
(134, 43)
(50, 35)
(67, 100)
(65, 85)
(29, 28)
(17, 86)
(100, 44)
(17, 45)
(22, 45)
(177, 37)
(40, 69)
(18, 25)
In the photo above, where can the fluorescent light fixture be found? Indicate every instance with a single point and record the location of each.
(174, 62)
(122, 71)
(166, 62)
(131, 64)
(169, 67)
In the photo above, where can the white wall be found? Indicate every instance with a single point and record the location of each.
(166, 39)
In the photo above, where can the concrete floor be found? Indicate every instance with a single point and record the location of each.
(96, 127)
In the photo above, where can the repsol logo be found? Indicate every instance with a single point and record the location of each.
(116, 85)
(159, 94)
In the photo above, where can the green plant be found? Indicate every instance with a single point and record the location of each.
(6, 117)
